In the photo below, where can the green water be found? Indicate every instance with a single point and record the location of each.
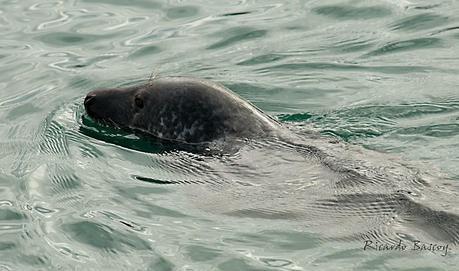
(381, 74)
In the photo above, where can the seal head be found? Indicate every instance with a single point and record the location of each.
(180, 109)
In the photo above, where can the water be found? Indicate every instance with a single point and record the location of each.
(379, 74)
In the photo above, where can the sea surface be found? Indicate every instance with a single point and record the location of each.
(374, 84)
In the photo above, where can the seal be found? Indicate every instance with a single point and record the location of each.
(181, 109)
(365, 188)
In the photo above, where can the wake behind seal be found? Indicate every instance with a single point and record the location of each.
(180, 109)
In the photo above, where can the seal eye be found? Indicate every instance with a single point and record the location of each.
(138, 102)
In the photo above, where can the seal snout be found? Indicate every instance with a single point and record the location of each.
(108, 105)
(89, 99)
(90, 104)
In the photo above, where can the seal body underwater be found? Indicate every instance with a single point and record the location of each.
(180, 109)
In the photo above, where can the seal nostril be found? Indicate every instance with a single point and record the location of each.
(89, 99)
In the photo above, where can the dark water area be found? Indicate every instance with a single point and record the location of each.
(370, 88)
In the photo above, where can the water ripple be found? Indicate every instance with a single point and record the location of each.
(407, 45)
(420, 22)
(352, 13)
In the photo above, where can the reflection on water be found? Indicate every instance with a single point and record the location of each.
(381, 74)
